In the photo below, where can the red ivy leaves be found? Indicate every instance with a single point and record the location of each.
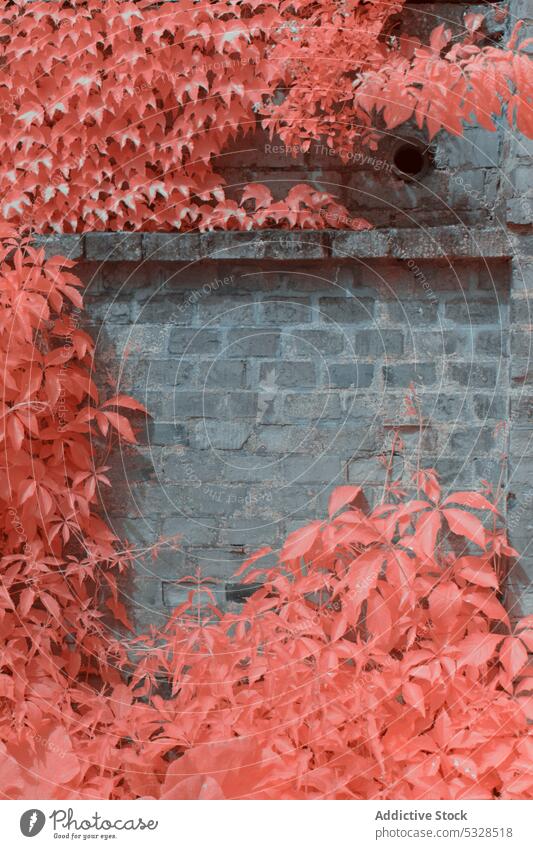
(361, 669)
(126, 108)
(128, 105)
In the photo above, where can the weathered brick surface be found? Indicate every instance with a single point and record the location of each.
(264, 399)
(275, 364)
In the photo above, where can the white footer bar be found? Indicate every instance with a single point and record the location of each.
(268, 825)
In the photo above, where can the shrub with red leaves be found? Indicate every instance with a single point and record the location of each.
(366, 666)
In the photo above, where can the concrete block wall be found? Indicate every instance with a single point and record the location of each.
(272, 380)
(275, 364)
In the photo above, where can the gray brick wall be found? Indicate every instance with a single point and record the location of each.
(275, 364)
(271, 382)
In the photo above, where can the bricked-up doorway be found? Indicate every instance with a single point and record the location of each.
(275, 367)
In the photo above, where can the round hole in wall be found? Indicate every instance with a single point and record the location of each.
(410, 159)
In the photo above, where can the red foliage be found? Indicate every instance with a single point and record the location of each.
(445, 84)
(129, 103)
(367, 665)
(57, 554)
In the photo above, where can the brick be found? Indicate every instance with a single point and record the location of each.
(113, 247)
(185, 404)
(290, 500)
(191, 466)
(445, 406)
(467, 310)
(167, 308)
(147, 598)
(521, 444)
(218, 563)
(347, 310)
(405, 373)
(490, 406)
(322, 438)
(486, 468)
(441, 343)
(313, 343)
(522, 179)
(522, 410)
(222, 374)
(252, 342)
(170, 562)
(285, 311)
(378, 343)
(520, 210)
(521, 472)
(521, 311)
(165, 433)
(471, 441)
(454, 474)
(136, 340)
(286, 375)
(246, 467)
(521, 343)
(240, 404)
(492, 343)
(488, 276)
(470, 374)
(248, 534)
(266, 244)
(205, 502)
(270, 408)
(469, 189)
(521, 372)
(411, 311)
(425, 442)
(193, 341)
(110, 311)
(312, 470)
(360, 408)
(346, 375)
(168, 372)
(170, 246)
(226, 310)
(224, 435)
(139, 464)
(523, 248)
(274, 244)
(140, 533)
(366, 470)
(318, 405)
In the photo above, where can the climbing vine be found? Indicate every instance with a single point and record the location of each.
(128, 104)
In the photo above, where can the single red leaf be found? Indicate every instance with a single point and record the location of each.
(477, 649)
(470, 499)
(464, 524)
(513, 656)
(341, 496)
(51, 604)
(122, 425)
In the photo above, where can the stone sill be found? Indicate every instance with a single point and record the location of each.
(446, 243)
